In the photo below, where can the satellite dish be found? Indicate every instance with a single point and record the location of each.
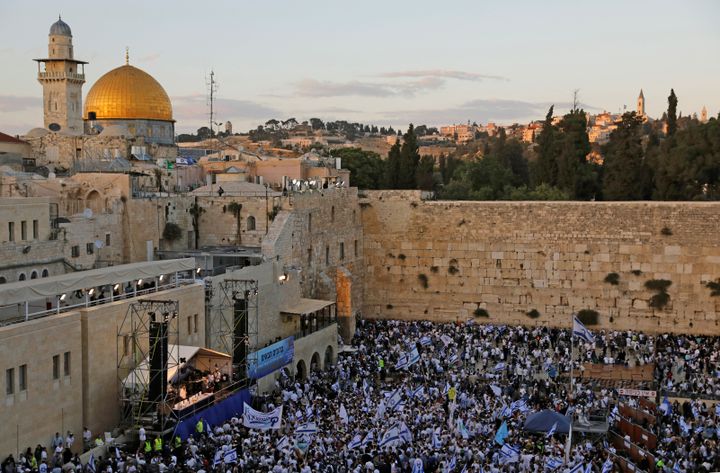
(99, 244)
(54, 127)
(87, 213)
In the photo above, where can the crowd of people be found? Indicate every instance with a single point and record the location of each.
(440, 397)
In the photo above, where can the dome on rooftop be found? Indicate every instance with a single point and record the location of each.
(60, 28)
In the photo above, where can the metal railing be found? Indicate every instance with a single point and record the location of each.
(61, 75)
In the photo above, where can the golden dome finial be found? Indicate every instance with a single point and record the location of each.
(127, 56)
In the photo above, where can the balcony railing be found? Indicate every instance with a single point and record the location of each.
(61, 75)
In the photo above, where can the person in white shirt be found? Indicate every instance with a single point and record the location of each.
(142, 435)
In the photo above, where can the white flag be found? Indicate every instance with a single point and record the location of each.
(343, 414)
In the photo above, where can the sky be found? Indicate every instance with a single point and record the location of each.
(388, 62)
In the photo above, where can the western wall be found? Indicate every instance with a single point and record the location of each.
(442, 260)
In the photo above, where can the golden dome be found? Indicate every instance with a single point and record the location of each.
(128, 93)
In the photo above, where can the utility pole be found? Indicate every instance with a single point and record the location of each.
(212, 89)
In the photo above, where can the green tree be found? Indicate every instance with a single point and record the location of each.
(392, 167)
(546, 170)
(409, 159)
(625, 174)
(424, 174)
(575, 175)
(672, 113)
(366, 167)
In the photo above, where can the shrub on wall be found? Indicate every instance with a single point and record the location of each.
(666, 231)
(434, 269)
(480, 312)
(402, 256)
(714, 287)
(453, 269)
(588, 317)
(612, 278)
(661, 298)
(423, 280)
(533, 313)
(172, 232)
(636, 272)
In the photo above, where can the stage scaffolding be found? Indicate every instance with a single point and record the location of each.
(147, 349)
(233, 314)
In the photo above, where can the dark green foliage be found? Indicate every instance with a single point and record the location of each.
(625, 174)
(636, 272)
(714, 287)
(672, 113)
(434, 269)
(424, 178)
(453, 270)
(666, 231)
(402, 256)
(480, 312)
(657, 284)
(409, 160)
(588, 317)
(172, 232)
(613, 278)
(392, 167)
(423, 280)
(659, 300)
(389, 306)
(547, 169)
(533, 313)
(367, 169)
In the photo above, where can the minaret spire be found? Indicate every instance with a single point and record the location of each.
(127, 56)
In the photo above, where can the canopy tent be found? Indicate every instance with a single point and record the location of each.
(203, 359)
(305, 306)
(22, 291)
(544, 420)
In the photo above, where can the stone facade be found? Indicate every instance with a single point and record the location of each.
(512, 257)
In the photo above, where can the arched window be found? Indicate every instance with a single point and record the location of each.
(45, 273)
(21, 277)
(34, 275)
(251, 223)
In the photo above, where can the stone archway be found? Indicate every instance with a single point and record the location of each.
(329, 356)
(94, 202)
(300, 370)
(315, 362)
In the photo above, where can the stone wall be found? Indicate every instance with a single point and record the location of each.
(511, 257)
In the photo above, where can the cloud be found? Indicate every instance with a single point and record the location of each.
(194, 108)
(445, 74)
(14, 103)
(481, 110)
(317, 88)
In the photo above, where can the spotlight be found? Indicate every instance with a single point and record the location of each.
(198, 271)
(162, 276)
(283, 277)
(139, 282)
(116, 287)
(91, 292)
(62, 298)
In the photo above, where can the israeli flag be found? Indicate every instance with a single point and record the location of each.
(717, 409)
(683, 425)
(588, 468)
(553, 463)
(425, 341)
(355, 442)
(390, 437)
(368, 438)
(666, 408)
(404, 432)
(343, 414)
(309, 412)
(551, 431)
(230, 456)
(413, 357)
(446, 388)
(496, 390)
(451, 464)
(380, 411)
(446, 339)
(676, 468)
(336, 386)
(453, 358)
(580, 331)
(509, 454)
(499, 367)
(309, 428)
(436, 439)
(505, 412)
(366, 386)
(519, 405)
(607, 466)
(284, 442)
(462, 429)
(402, 362)
(396, 403)
(576, 469)
(91, 462)
(418, 466)
(418, 392)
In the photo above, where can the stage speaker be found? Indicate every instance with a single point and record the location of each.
(158, 361)
(240, 337)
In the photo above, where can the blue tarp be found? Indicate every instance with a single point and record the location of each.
(215, 415)
(544, 420)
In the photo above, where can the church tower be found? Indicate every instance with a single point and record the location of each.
(703, 115)
(62, 77)
(641, 104)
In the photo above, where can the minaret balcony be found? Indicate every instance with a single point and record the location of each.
(61, 75)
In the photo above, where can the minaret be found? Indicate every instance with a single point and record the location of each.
(703, 115)
(61, 77)
(641, 104)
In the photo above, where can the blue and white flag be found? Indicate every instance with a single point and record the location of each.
(396, 403)
(509, 454)
(380, 411)
(284, 442)
(683, 426)
(676, 468)
(519, 406)
(253, 419)
(499, 367)
(553, 463)
(309, 412)
(607, 466)
(91, 462)
(453, 358)
(368, 438)
(230, 456)
(446, 388)
(588, 468)
(355, 442)
(405, 433)
(418, 392)
(446, 339)
(425, 341)
(576, 469)
(505, 412)
(496, 390)
(390, 437)
(451, 464)
(551, 431)
(462, 430)
(336, 386)
(308, 428)
(501, 434)
(717, 409)
(665, 406)
(436, 439)
(413, 357)
(418, 466)
(366, 386)
(580, 331)
(343, 414)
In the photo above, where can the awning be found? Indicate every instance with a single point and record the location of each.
(141, 373)
(34, 289)
(306, 306)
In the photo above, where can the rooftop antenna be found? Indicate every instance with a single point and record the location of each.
(212, 90)
(127, 56)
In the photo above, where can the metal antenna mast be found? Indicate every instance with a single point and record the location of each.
(212, 90)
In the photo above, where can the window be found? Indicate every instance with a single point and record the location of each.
(22, 378)
(34, 275)
(189, 324)
(309, 223)
(89, 248)
(66, 363)
(332, 213)
(22, 277)
(327, 255)
(45, 273)
(251, 223)
(107, 239)
(10, 381)
(56, 367)
(76, 251)
(342, 251)
(11, 231)
(356, 249)
(35, 229)
(195, 323)
(309, 256)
